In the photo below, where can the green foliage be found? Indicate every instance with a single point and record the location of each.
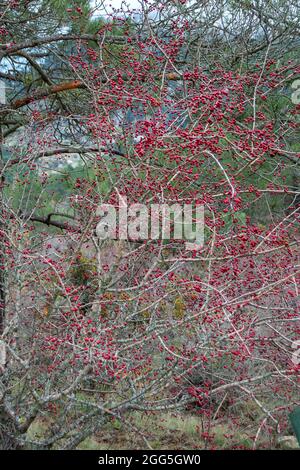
(239, 216)
(75, 14)
(31, 190)
(82, 272)
(179, 308)
(295, 420)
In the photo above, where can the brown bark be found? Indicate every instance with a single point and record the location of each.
(73, 85)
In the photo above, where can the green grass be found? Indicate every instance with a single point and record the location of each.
(169, 431)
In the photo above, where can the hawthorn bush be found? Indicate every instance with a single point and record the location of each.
(95, 331)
